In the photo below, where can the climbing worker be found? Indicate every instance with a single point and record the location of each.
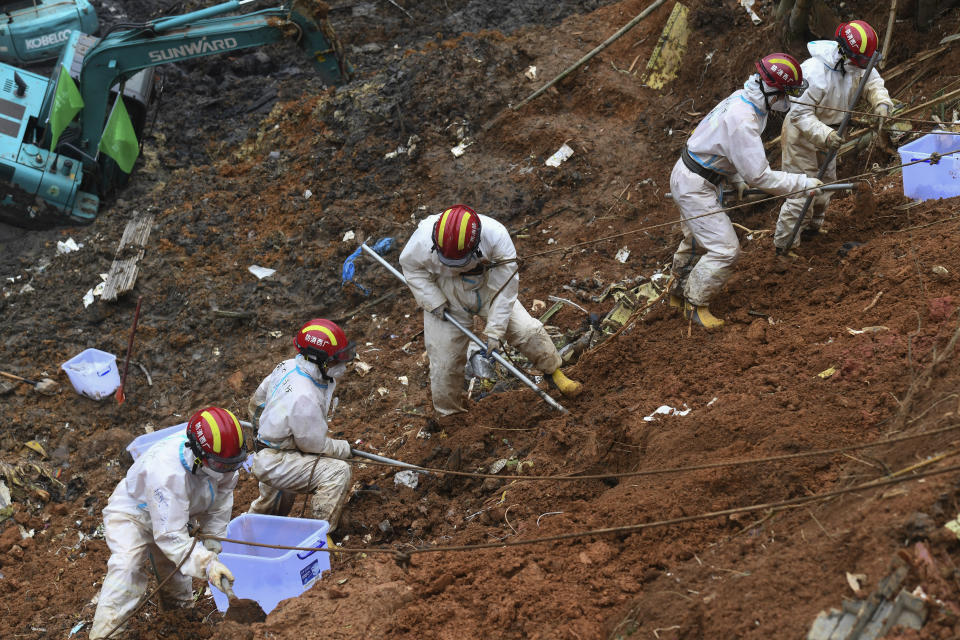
(464, 263)
(834, 73)
(182, 482)
(726, 147)
(289, 410)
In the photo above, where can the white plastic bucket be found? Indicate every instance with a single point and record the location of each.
(93, 373)
(271, 575)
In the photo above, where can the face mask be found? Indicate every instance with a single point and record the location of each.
(781, 103)
(773, 99)
(336, 371)
(215, 475)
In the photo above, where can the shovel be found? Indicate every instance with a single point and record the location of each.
(45, 386)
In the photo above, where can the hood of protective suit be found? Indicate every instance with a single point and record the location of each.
(753, 93)
(826, 51)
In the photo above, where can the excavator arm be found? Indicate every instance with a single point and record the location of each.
(120, 55)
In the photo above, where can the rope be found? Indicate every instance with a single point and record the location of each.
(869, 114)
(155, 591)
(674, 470)
(741, 205)
(403, 557)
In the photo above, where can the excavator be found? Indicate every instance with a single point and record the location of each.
(71, 139)
(35, 30)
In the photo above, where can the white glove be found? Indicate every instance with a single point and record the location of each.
(833, 141)
(438, 312)
(812, 188)
(493, 344)
(213, 545)
(217, 572)
(341, 449)
(882, 110)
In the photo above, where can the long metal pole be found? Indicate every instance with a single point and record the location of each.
(372, 456)
(496, 356)
(833, 152)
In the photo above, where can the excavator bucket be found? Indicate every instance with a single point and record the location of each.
(320, 41)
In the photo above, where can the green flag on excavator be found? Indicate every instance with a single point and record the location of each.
(66, 104)
(119, 141)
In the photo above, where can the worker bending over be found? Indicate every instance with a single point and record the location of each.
(465, 263)
(182, 480)
(726, 147)
(290, 408)
(834, 74)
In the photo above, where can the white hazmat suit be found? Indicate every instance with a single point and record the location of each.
(295, 454)
(728, 143)
(468, 291)
(147, 518)
(805, 129)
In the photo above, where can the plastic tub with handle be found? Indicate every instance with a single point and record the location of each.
(271, 575)
(93, 373)
(932, 176)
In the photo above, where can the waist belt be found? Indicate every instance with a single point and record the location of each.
(709, 175)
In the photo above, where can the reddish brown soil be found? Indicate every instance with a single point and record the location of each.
(752, 388)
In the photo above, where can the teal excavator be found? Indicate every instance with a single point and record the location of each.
(72, 138)
(35, 30)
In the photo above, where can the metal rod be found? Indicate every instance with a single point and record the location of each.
(840, 186)
(831, 156)
(396, 463)
(496, 356)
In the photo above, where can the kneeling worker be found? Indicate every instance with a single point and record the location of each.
(179, 481)
(289, 410)
(461, 262)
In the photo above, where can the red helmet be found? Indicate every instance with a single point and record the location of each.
(782, 72)
(320, 341)
(858, 41)
(456, 235)
(216, 439)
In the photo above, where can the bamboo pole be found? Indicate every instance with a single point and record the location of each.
(886, 36)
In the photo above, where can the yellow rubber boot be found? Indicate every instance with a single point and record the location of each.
(702, 316)
(566, 386)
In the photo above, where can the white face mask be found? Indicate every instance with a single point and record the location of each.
(337, 370)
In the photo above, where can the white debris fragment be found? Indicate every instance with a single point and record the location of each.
(531, 73)
(622, 255)
(748, 5)
(666, 411)
(403, 380)
(67, 246)
(5, 500)
(261, 272)
(561, 155)
(276, 334)
(349, 235)
(382, 391)
(459, 150)
(361, 368)
(407, 479)
(307, 193)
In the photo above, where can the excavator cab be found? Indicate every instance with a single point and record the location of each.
(32, 31)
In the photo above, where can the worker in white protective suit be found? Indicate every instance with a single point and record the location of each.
(834, 73)
(182, 482)
(464, 263)
(290, 408)
(726, 148)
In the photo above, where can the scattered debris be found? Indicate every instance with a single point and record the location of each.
(45, 386)
(68, 246)
(668, 53)
(826, 373)
(666, 410)
(403, 380)
(261, 272)
(361, 368)
(560, 156)
(406, 478)
(856, 332)
(531, 72)
(94, 293)
(348, 236)
(748, 5)
(941, 272)
(459, 150)
(33, 445)
(126, 261)
(622, 255)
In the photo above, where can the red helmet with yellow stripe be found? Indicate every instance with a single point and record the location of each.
(456, 235)
(782, 72)
(321, 341)
(858, 41)
(216, 439)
